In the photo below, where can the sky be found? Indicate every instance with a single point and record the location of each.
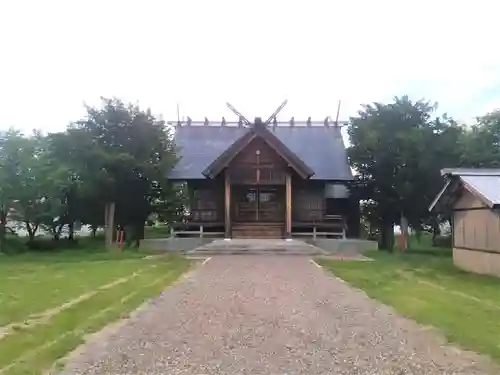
(57, 55)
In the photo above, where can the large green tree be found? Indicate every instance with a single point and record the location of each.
(30, 184)
(15, 153)
(482, 142)
(397, 150)
(121, 154)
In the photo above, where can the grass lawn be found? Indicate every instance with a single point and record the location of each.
(49, 302)
(426, 287)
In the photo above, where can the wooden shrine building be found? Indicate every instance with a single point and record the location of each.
(265, 179)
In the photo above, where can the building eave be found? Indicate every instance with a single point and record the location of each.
(230, 153)
(439, 196)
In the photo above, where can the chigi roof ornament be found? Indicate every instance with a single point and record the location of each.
(272, 121)
(271, 118)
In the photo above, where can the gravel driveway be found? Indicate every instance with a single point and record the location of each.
(269, 315)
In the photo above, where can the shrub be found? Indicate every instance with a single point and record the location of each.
(48, 244)
(14, 244)
(443, 241)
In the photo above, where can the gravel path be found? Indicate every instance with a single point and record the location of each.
(269, 315)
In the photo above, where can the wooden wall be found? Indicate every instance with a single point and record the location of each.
(476, 236)
(477, 262)
(308, 201)
(206, 199)
(467, 200)
(257, 163)
(475, 226)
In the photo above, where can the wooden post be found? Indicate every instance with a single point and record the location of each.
(288, 215)
(120, 243)
(109, 223)
(404, 233)
(227, 205)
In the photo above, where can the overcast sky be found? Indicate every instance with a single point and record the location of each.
(56, 55)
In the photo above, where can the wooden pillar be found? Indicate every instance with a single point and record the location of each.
(109, 223)
(404, 232)
(227, 205)
(288, 215)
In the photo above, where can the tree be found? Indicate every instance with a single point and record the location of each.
(11, 154)
(21, 191)
(394, 150)
(77, 201)
(33, 183)
(122, 155)
(117, 155)
(482, 142)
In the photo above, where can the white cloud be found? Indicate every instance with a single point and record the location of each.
(57, 54)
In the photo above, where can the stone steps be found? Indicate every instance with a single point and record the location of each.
(257, 247)
(257, 231)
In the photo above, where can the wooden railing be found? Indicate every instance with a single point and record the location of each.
(199, 223)
(334, 219)
(326, 226)
(205, 215)
(308, 214)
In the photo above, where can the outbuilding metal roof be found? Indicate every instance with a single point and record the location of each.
(487, 187)
(484, 183)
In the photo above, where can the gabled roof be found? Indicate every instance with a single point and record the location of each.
(483, 183)
(223, 159)
(320, 148)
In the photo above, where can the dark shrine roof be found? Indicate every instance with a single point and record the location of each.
(319, 147)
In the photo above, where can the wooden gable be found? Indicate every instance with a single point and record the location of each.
(264, 136)
(468, 200)
(257, 163)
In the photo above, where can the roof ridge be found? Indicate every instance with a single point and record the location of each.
(470, 172)
(327, 122)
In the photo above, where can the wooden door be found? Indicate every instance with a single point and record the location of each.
(271, 206)
(258, 204)
(245, 204)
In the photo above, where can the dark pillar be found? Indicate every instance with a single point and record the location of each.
(353, 219)
(227, 205)
(288, 215)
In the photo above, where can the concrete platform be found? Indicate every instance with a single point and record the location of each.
(211, 246)
(257, 247)
(173, 244)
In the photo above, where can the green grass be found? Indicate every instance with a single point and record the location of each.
(429, 289)
(32, 284)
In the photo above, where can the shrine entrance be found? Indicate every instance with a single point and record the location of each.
(258, 204)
